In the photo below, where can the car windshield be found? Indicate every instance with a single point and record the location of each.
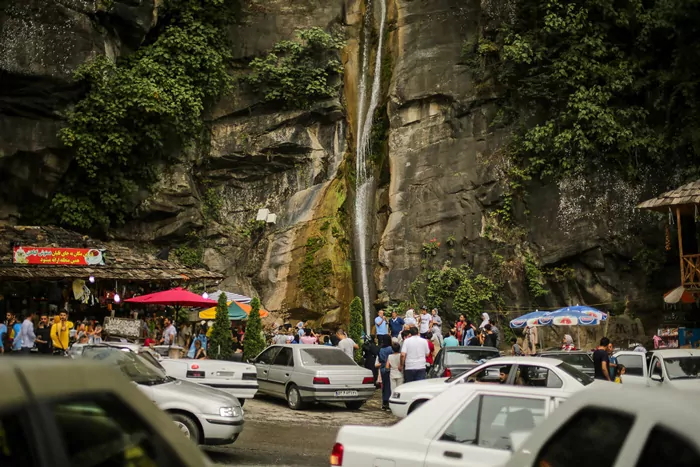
(132, 366)
(468, 356)
(319, 357)
(577, 359)
(575, 373)
(683, 367)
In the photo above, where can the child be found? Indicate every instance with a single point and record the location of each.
(619, 373)
(515, 348)
(393, 362)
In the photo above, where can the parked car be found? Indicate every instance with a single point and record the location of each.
(616, 426)
(521, 371)
(465, 425)
(579, 359)
(205, 415)
(60, 412)
(674, 368)
(303, 373)
(238, 379)
(455, 360)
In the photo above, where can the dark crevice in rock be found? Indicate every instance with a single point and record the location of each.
(35, 97)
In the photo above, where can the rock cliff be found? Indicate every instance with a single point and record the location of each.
(441, 178)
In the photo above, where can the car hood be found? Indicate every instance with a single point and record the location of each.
(192, 393)
(426, 385)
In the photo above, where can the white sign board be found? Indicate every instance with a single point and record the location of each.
(123, 327)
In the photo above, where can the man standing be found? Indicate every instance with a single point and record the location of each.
(395, 324)
(60, 334)
(382, 358)
(612, 363)
(169, 334)
(425, 320)
(43, 336)
(601, 360)
(346, 344)
(382, 330)
(26, 334)
(14, 328)
(451, 340)
(414, 353)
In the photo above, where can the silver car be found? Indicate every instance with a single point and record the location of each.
(205, 415)
(303, 373)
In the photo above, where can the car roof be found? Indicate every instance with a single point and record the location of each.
(524, 361)
(469, 348)
(675, 353)
(563, 352)
(503, 388)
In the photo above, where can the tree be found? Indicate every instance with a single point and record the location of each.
(221, 341)
(356, 325)
(254, 342)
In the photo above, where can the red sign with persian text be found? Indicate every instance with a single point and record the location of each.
(58, 256)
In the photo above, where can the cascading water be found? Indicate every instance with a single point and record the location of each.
(364, 180)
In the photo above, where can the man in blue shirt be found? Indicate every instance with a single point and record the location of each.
(382, 329)
(451, 340)
(396, 324)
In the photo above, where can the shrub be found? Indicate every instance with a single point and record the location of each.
(254, 341)
(221, 341)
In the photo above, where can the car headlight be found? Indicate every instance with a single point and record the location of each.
(396, 395)
(230, 411)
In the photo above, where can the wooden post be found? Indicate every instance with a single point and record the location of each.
(680, 243)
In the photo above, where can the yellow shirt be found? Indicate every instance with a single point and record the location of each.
(60, 338)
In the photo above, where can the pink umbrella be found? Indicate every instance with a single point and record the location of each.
(175, 297)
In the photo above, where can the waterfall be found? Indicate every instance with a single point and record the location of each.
(364, 180)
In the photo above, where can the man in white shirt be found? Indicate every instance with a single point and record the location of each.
(169, 334)
(413, 354)
(425, 320)
(346, 344)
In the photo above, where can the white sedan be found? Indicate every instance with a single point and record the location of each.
(466, 425)
(519, 371)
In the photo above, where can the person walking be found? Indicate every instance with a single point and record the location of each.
(26, 334)
(396, 324)
(601, 360)
(414, 353)
(382, 360)
(382, 329)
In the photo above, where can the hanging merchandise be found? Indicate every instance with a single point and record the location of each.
(668, 238)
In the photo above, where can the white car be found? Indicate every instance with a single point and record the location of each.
(616, 425)
(521, 371)
(673, 368)
(238, 379)
(466, 425)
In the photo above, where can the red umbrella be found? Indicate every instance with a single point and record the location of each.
(174, 297)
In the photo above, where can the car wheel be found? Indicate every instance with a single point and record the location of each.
(294, 398)
(415, 405)
(354, 405)
(187, 426)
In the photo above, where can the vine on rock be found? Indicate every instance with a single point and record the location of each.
(139, 110)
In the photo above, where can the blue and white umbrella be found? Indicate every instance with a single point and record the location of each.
(575, 316)
(530, 319)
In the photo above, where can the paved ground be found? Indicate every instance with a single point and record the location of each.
(276, 435)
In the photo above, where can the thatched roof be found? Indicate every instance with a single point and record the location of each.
(687, 195)
(121, 262)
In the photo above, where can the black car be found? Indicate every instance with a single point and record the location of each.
(579, 359)
(451, 361)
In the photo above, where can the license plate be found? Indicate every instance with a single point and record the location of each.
(345, 393)
(225, 373)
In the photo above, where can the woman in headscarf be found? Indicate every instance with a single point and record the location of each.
(568, 343)
(485, 318)
(410, 319)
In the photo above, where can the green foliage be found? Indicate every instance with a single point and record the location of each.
(597, 84)
(298, 72)
(212, 203)
(315, 277)
(190, 256)
(251, 227)
(534, 277)
(139, 110)
(357, 326)
(468, 292)
(254, 341)
(221, 342)
(650, 260)
(430, 248)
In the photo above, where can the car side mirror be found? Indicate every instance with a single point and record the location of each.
(517, 438)
(657, 378)
(251, 360)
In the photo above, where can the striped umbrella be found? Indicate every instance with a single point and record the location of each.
(230, 297)
(530, 319)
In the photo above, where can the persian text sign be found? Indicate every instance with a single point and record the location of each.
(58, 256)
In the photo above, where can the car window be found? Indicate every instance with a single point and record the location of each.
(488, 421)
(592, 437)
(656, 367)
(489, 374)
(537, 376)
(268, 355)
(284, 358)
(580, 360)
(102, 431)
(333, 357)
(683, 367)
(468, 356)
(575, 373)
(664, 447)
(634, 364)
(16, 447)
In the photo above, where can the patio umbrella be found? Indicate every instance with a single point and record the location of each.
(587, 310)
(177, 297)
(567, 317)
(236, 312)
(230, 297)
(530, 319)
